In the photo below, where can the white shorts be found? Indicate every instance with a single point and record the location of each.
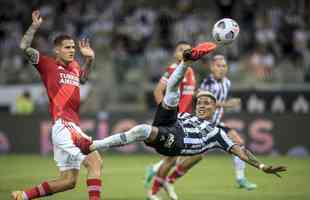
(70, 145)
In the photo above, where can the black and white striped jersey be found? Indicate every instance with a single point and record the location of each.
(220, 89)
(200, 135)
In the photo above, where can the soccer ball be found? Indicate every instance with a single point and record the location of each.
(225, 31)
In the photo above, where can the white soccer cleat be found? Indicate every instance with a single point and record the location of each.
(151, 196)
(17, 195)
(170, 190)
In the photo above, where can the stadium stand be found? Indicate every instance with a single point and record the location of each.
(133, 41)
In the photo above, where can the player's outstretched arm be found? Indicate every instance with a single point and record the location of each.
(89, 56)
(246, 155)
(25, 44)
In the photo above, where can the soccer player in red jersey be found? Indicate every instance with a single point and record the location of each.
(160, 170)
(62, 76)
(187, 86)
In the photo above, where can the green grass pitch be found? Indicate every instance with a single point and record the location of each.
(212, 179)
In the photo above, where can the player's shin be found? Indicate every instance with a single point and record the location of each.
(172, 94)
(178, 172)
(136, 134)
(176, 77)
(239, 167)
(157, 184)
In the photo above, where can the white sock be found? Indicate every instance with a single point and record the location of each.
(135, 134)
(177, 76)
(172, 94)
(157, 165)
(239, 167)
(25, 197)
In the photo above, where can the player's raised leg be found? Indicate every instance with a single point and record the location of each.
(139, 133)
(144, 132)
(171, 99)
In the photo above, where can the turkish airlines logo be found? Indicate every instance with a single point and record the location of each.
(69, 79)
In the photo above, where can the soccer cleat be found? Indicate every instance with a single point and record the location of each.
(149, 174)
(17, 195)
(151, 196)
(200, 50)
(170, 190)
(244, 183)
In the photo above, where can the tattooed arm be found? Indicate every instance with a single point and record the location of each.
(25, 44)
(89, 56)
(87, 67)
(245, 155)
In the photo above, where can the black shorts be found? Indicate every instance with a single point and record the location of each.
(169, 140)
(165, 117)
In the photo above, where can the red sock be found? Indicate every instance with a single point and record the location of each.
(94, 188)
(157, 183)
(177, 173)
(39, 191)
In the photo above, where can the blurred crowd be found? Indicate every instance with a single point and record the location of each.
(134, 40)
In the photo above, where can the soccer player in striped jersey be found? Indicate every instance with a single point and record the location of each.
(187, 88)
(175, 134)
(62, 76)
(218, 84)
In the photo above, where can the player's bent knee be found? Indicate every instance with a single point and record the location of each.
(142, 131)
(93, 161)
(97, 158)
(70, 183)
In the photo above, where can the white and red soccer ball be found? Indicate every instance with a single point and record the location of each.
(225, 31)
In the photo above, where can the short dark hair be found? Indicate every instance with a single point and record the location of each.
(58, 39)
(182, 42)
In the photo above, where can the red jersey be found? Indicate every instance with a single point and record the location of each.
(62, 84)
(187, 87)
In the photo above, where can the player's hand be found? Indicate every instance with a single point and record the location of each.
(36, 18)
(85, 49)
(274, 170)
